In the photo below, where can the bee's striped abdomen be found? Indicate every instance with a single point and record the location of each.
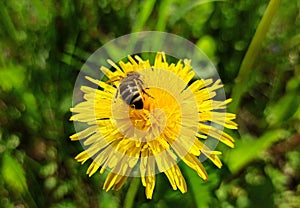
(130, 90)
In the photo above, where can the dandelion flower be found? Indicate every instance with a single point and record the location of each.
(177, 115)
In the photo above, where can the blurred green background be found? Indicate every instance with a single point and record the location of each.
(43, 45)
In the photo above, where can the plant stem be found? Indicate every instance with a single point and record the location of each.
(251, 54)
(131, 193)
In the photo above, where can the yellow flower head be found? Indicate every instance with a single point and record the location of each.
(174, 112)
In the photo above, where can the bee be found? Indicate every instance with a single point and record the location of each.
(131, 88)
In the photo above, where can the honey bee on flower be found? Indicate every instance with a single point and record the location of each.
(131, 89)
(147, 118)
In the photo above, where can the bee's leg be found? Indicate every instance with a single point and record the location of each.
(139, 83)
(116, 96)
(147, 92)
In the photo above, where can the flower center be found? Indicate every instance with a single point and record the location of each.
(160, 114)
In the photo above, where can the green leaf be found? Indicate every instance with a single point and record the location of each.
(283, 109)
(7, 22)
(201, 190)
(12, 77)
(248, 149)
(163, 14)
(182, 10)
(146, 9)
(13, 174)
(30, 102)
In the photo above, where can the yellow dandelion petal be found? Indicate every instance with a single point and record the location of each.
(96, 138)
(150, 184)
(176, 179)
(212, 155)
(219, 118)
(176, 67)
(151, 122)
(120, 183)
(193, 162)
(216, 133)
(143, 64)
(107, 72)
(84, 134)
(119, 70)
(198, 84)
(132, 61)
(160, 61)
(108, 88)
(126, 67)
(92, 168)
(111, 180)
(82, 157)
